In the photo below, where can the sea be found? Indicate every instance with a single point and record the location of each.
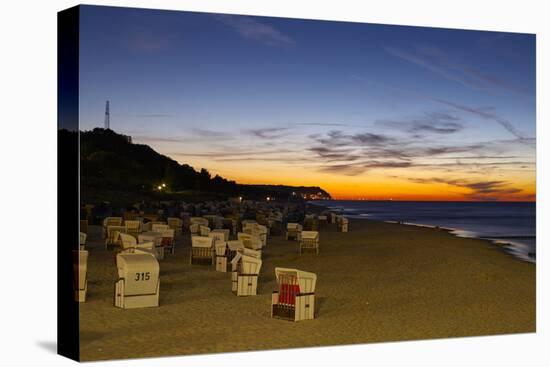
(510, 224)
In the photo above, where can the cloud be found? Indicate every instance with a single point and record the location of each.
(487, 114)
(480, 190)
(436, 61)
(209, 133)
(267, 133)
(253, 29)
(355, 169)
(430, 122)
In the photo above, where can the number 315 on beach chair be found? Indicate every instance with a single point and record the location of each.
(139, 282)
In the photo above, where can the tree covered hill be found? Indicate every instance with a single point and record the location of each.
(110, 163)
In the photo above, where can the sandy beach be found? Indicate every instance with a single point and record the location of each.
(379, 282)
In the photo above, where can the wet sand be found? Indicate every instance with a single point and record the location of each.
(379, 282)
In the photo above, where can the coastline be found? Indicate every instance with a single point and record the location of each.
(503, 243)
(380, 282)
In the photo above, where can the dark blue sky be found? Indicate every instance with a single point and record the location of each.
(220, 90)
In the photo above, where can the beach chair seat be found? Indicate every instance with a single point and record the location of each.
(110, 221)
(309, 242)
(221, 256)
(176, 224)
(244, 277)
(80, 265)
(294, 299)
(82, 241)
(204, 231)
(159, 227)
(294, 231)
(168, 240)
(132, 227)
(112, 235)
(138, 281)
(202, 250)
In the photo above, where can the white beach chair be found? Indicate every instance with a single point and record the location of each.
(194, 229)
(294, 231)
(80, 275)
(225, 233)
(168, 240)
(132, 227)
(343, 224)
(82, 242)
(129, 244)
(250, 241)
(110, 221)
(244, 279)
(201, 250)
(221, 256)
(204, 231)
(217, 236)
(294, 298)
(138, 281)
(257, 230)
(112, 235)
(175, 223)
(309, 242)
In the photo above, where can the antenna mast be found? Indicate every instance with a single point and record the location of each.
(107, 116)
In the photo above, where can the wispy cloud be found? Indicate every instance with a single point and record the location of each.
(436, 61)
(431, 122)
(480, 190)
(253, 29)
(267, 133)
(488, 113)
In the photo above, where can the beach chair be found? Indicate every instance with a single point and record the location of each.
(244, 279)
(221, 256)
(138, 281)
(110, 221)
(322, 220)
(167, 242)
(201, 250)
(257, 230)
(232, 248)
(217, 236)
(294, 299)
(159, 227)
(250, 241)
(225, 233)
(84, 226)
(112, 235)
(343, 224)
(309, 242)
(129, 244)
(294, 231)
(132, 227)
(82, 241)
(176, 224)
(194, 229)
(80, 265)
(146, 227)
(204, 231)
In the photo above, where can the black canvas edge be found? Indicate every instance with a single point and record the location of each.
(68, 193)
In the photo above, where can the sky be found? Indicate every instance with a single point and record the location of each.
(365, 111)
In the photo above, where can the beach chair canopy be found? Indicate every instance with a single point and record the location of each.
(132, 224)
(235, 245)
(200, 241)
(217, 236)
(310, 235)
(140, 273)
(112, 221)
(250, 252)
(293, 226)
(127, 240)
(306, 280)
(220, 248)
